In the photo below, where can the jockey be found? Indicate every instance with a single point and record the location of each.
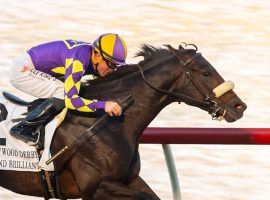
(38, 72)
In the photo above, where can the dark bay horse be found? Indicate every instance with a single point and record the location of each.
(107, 166)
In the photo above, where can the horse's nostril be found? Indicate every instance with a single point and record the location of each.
(238, 106)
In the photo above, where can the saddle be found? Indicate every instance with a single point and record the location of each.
(31, 129)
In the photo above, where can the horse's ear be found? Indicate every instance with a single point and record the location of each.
(181, 49)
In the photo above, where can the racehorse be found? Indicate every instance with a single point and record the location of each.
(107, 166)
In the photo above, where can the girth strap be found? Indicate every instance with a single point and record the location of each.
(50, 185)
(46, 194)
(48, 176)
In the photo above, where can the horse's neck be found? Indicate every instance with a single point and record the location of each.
(149, 102)
(140, 115)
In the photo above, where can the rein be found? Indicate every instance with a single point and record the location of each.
(211, 106)
(181, 97)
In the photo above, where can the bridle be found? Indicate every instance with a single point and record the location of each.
(208, 102)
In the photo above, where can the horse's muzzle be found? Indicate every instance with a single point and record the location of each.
(235, 111)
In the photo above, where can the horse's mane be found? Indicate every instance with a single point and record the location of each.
(149, 52)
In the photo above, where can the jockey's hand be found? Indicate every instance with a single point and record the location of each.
(113, 108)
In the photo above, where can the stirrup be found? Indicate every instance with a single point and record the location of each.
(32, 139)
(38, 131)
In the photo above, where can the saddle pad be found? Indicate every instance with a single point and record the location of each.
(17, 155)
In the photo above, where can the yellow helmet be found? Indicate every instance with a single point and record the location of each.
(112, 47)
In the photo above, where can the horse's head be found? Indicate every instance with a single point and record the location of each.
(202, 83)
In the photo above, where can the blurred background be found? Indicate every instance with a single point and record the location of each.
(234, 36)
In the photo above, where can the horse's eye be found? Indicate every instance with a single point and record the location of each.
(205, 73)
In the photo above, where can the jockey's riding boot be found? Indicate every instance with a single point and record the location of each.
(28, 130)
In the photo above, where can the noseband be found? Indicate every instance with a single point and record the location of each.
(208, 103)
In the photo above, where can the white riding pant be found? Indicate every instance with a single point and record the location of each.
(26, 78)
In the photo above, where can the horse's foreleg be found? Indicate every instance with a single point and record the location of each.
(113, 190)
